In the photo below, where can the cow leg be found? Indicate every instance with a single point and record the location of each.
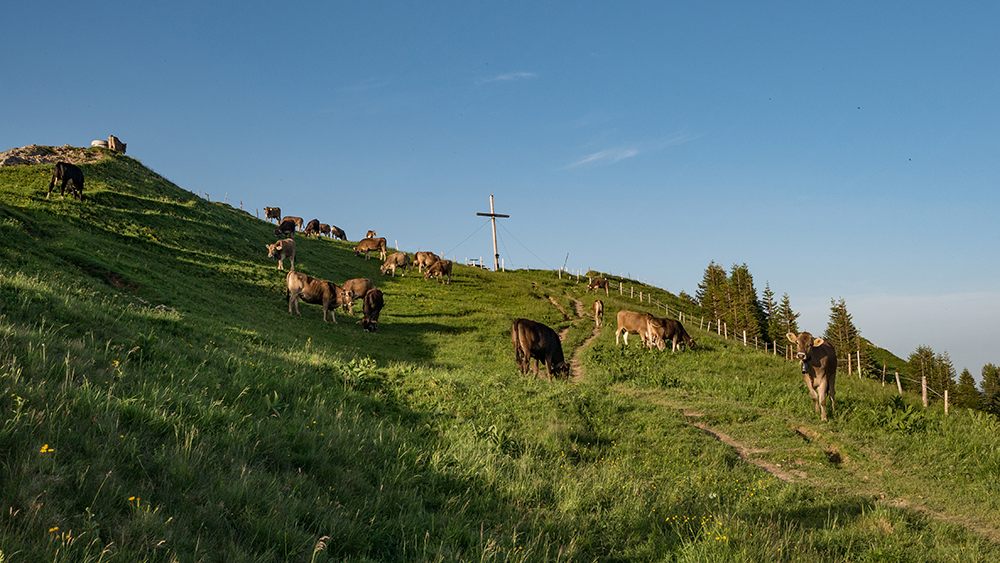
(333, 312)
(821, 401)
(294, 300)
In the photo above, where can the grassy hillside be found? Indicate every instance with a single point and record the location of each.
(158, 403)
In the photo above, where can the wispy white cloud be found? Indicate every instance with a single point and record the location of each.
(609, 156)
(510, 76)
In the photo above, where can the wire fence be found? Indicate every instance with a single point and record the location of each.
(852, 361)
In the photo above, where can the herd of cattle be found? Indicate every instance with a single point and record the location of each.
(531, 339)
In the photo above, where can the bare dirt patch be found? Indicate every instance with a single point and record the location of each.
(38, 154)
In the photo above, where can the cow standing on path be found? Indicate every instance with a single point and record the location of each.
(819, 368)
(599, 313)
(67, 174)
(536, 341)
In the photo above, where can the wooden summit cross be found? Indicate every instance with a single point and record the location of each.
(493, 218)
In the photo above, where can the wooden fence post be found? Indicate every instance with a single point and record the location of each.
(899, 386)
(883, 375)
(859, 363)
(849, 372)
(946, 402)
(923, 389)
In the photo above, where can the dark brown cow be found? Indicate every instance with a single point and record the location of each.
(311, 290)
(280, 250)
(296, 220)
(312, 228)
(630, 322)
(598, 283)
(533, 340)
(337, 232)
(661, 330)
(373, 304)
(819, 368)
(369, 244)
(67, 174)
(598, 313)
(424, 259)
(324, 229)
(441, 268)
(356, 289)
(397, 260)
(272, 213)
(285, 228)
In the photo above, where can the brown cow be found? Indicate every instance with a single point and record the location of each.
(424, 258)
(296, 220)
(598, 312)
(337, 232)
(662, 329)
(314, 291)
(356, 289)
(324, 229)
(441, 268)
(536, 341)
(397, 260)
(819, 368)
(598, 283)
(370, 234)
(285, 228)
(373, 303)
(272, 213)
(280, 250)
(312, 228)
(68, 174)
(630, 322)
(369, 244)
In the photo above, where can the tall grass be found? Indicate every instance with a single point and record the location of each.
(158, 403)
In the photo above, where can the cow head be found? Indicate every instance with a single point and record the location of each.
(804, 344)
(369, 325)
(273, 249)
(560, 368)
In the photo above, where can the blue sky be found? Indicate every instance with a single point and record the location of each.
(840, 150)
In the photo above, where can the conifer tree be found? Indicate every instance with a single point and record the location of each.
(991, 388)
(967, 396)
(711, 293)
(845, 337)
(744, 311)
(788, 321)
(770, 307)
(922, 363)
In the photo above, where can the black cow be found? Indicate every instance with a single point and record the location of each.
(535, 340)
(68, 174)
(373, 304)
(285, 229)
(312, 228)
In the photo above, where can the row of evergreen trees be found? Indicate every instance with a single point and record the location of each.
(731, 298)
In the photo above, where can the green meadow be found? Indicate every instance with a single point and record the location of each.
(158, 403)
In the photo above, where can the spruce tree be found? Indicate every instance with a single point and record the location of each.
(967, 396)
(991, 388)
(711, 293)
(788, 321)
(770, 307)
(922, 362)
(744, 312)
(845, 337)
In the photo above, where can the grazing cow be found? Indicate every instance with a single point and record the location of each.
(337, 232)
(296, 220)
(661, 330)
(314, 291)
(324, 229)
(272, 213)
(441, 268)
(536, 341)
(369, 244)
(397, 260)
(370, 234)
(67, 174)
(424, 259)
(373, 304)
(598, 312)
(630, 322)
(819, 368)
(312, 228)
(280, 250)
(356, 289)
(598, 283)
(286, 228)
